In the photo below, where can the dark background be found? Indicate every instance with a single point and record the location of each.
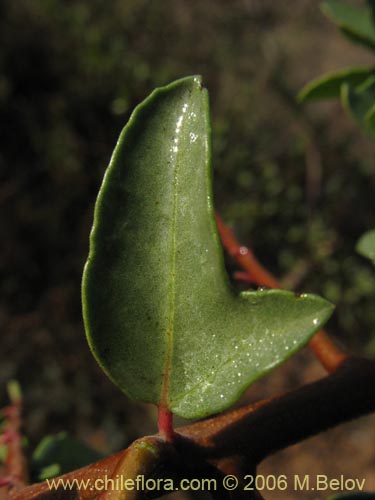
(295, 182)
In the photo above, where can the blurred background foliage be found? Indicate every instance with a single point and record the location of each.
(295, 182)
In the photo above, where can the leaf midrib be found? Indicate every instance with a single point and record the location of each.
(172, 294)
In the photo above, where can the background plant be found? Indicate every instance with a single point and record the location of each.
(354, 86)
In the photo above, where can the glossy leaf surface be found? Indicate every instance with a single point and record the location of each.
(356, 23)
(329, 85)
(160, 316)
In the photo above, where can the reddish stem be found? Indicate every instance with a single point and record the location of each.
(9, 435)
(330, 355)
(243, 276)
(5, 481)
(14, 471)
(165, 424)
(249, 433)
(245, 257)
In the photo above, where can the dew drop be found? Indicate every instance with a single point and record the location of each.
(244, 250)
(315, 321)
(193, 137)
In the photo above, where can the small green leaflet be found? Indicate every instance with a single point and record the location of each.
(161, 317)
(60, 453)
(359, 104)
(355, 23)
(329, 85)
(366, 245)
(355, 87)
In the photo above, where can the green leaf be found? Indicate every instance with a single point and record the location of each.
(359, 104)
(366, 245)
(160, 315)
(59, 454)
(329, 85)
(14, 391)
(355, 23)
